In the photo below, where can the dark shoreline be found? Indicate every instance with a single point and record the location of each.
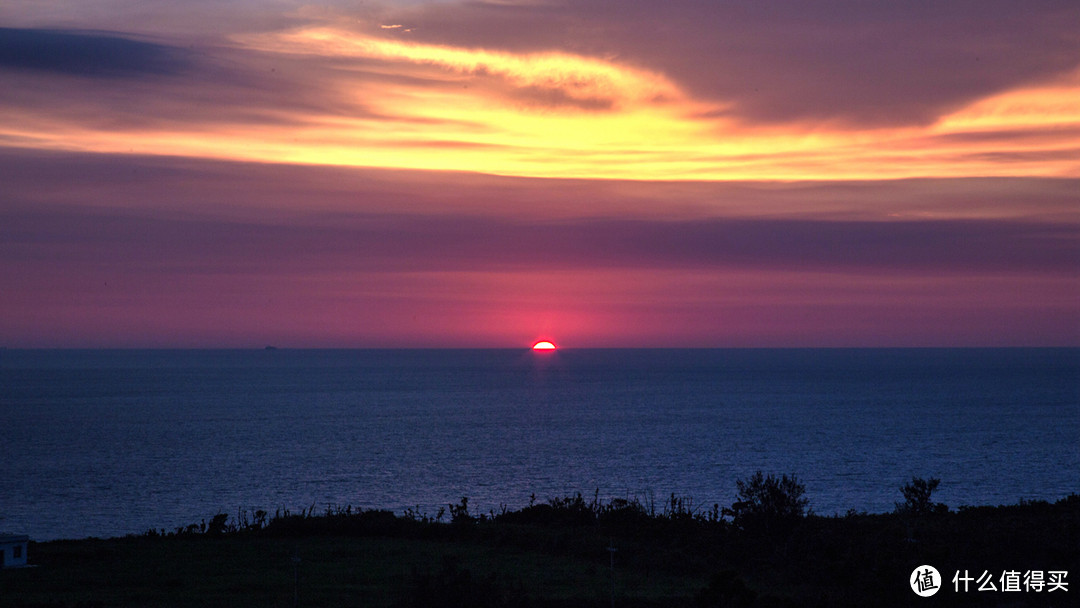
(556, 553)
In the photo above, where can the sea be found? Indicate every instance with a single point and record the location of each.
(113, 442)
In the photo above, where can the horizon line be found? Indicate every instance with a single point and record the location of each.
(272, 348)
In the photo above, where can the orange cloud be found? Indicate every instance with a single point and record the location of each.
(350, 98)
(575, 76)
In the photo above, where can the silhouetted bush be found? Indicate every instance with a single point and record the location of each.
(459, 513)
(917, 497)
(562, 512)
(625, 515)
(767, 503)
(218, 525)
(339, 521)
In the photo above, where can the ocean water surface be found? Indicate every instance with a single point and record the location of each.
(104, 443)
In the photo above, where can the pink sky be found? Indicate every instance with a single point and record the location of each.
(417, 174)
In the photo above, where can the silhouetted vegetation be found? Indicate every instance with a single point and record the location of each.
(766, 549)
(768, 503)
(917, 497)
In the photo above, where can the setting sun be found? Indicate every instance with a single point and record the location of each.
(543, 345)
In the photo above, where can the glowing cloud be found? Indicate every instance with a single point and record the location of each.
(1054, 104)
(364, 96)
(577, 77)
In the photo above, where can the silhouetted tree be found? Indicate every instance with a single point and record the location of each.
(218, 524)
(917, 497)
(767, 502)
(459, 513)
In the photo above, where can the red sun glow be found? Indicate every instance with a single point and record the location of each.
(543, 345)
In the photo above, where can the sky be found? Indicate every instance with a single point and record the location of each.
(599, 173)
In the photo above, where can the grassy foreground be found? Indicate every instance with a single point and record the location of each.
(556, 554)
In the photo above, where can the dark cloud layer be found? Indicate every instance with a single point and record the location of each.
(390, 243)
(179, 215)
(132, 84)
(100, 55)
(846, 61)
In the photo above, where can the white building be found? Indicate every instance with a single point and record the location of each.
(13, 550)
